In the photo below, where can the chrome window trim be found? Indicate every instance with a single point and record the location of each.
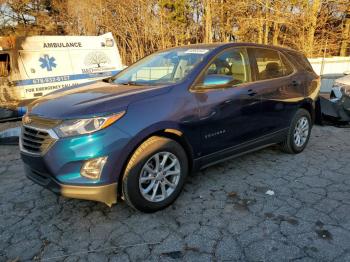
(280, 52)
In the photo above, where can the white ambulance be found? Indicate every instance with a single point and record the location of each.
(31, 67)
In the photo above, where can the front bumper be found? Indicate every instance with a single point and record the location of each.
(58, 162)
(104, 193)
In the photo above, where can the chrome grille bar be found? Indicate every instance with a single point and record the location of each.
(36, 141)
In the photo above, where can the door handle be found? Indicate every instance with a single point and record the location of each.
(295, 83)
(251, 92)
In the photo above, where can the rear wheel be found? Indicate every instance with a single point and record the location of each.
(155, 174)
(298, 133)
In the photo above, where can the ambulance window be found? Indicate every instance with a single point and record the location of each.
(4, 65)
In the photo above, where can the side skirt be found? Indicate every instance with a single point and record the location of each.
(241, 149)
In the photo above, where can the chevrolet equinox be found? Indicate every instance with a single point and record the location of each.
(138, 134)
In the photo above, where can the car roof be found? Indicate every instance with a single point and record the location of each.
(233, 44)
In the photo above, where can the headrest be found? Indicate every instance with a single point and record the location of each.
(272, 66)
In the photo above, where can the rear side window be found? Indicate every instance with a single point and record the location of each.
(271, 64)
(302, 61)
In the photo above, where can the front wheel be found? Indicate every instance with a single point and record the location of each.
(298, 133)
(155, 174)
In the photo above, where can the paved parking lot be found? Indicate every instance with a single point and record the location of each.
(224, 213)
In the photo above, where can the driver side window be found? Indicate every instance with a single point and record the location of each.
(232, 64)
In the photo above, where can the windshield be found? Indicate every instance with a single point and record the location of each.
(168, 67)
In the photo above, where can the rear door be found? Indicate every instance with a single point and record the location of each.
(279, 86)
(229, 114)
(310, 80)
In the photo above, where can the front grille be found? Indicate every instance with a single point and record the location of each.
(36, 141)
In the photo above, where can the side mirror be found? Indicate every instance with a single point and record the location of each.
(347, 73)
(216, 80)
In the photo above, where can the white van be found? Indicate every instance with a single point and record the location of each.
(31, 67)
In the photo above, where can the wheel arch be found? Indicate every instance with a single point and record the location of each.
(171, 133)
(309, 106)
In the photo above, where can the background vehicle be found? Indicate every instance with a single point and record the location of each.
(341, 86)
(31, 67)
(336, 110)
(140, 133)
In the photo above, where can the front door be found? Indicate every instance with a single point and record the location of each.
(229, 113)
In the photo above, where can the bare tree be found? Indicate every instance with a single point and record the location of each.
(345, 41)
(208, 34)
(96, 58)
(141, 27)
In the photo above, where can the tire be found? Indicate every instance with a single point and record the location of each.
(290, 145)
(138, 177)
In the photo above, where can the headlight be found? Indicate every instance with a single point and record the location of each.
(346, 90)
(340, 89)
(86, 126)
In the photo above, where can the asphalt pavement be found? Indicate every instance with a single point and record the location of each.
(264, 206)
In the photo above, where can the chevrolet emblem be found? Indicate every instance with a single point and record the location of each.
(26, 120)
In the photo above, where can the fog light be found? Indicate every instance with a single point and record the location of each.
(93, 168)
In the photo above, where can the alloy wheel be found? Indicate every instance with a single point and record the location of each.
(301, 131)
(159, 176)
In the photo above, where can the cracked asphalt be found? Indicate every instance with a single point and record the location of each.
(223, 213)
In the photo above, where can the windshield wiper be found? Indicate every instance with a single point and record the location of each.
(131, 83)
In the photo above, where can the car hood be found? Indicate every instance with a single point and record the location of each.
(96, 99)
(344, 80)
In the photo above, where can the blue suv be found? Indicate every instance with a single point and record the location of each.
(138, 134)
